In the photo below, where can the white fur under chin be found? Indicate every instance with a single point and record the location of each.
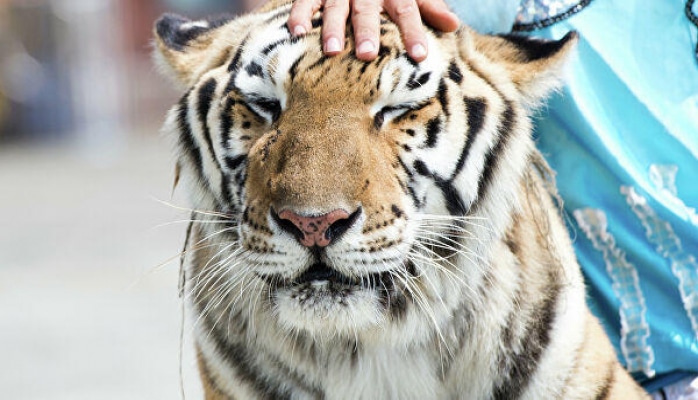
(319, 312)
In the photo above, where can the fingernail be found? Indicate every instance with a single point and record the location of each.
(299, 30)
(419, 51)
(366, 46)
(332, 45)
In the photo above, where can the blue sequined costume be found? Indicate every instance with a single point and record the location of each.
(623, 139)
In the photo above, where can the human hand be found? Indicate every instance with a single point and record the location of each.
(365, 17)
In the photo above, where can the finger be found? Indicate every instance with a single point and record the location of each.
(366, 20)
(406, 15)
(437, 15)
(301, 14)
(334, 25)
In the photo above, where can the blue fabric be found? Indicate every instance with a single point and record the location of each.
(492, 16)
(628, 116)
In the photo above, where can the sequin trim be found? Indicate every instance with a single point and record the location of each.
(663, 177)
(537, 14)
(693, 17)
(634, 331)
(667, 243)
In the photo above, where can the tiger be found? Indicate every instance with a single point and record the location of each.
(375, 230)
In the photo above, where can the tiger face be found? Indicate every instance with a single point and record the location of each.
(342, 198)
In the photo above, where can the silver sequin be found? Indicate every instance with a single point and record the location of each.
(533, 12)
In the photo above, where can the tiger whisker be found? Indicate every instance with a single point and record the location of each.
(437, 266)
(437, 241)
(223, 291)
(430, 261)
(192, 221)
(422, 304)
(192, 210)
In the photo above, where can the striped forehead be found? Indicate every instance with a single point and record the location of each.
(404, 82)
(261, 66)
(270, 53)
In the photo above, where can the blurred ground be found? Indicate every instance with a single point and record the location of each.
(86, 310)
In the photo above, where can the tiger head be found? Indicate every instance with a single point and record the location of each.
(340, 197)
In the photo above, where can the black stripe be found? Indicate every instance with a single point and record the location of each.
(421, 168)
(240, 179)
(412, 109)
(271, 46)
(409, 60)
(235, 63)
(443, 97)
(241, 357)
(186, 138)
(318, 63)
(364, 66)
(476, 110)
(254, 69)
(495, 154)
(270, 106)
(406, 186)
(433, 131)
(605, 390)
(520, 365)
(410, 176)
(210, 379)
(233, 162)
(246, 365)
(393, 300)
(378, 82)
(227, 122)
(243, 361)
(293, 71)
(281, 13)
(454, 201)
(379, 119)
(383, 52)
(182, 285)
(454, 73)
(418, 203)
(260, 118)
(532, 49)
(415, 83)
(206, 93)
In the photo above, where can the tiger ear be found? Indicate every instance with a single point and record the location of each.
(535, 66)
(183, 46)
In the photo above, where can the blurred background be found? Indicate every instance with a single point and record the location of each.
(89, 236)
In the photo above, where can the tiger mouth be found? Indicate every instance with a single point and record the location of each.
(321, 275)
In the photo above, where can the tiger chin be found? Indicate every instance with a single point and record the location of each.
(375, 230)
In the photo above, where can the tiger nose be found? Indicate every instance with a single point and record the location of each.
(318, 230)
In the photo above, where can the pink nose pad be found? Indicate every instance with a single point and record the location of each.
(314, 229)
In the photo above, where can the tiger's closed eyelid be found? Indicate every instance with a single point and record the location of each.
(265, 108)
(389, 113)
